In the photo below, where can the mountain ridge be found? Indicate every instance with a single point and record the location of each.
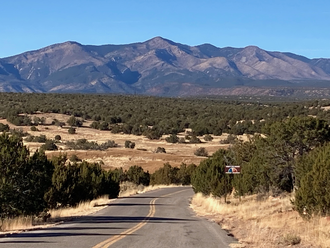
(158, 66)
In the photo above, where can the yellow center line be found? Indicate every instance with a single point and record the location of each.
(152, 211)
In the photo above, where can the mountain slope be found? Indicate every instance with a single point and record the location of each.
(158, 66)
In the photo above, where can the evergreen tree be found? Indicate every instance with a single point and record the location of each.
(23, 179)
(313, 196)
(210, 178)
(185, 172)
(165, 175)
(137, 175)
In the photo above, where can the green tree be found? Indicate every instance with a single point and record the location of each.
(210, 178)
(294, 137)
(313, 196)
(137, 175)
(73, 183)
(23, 179)
(165, 175)
(185, 172)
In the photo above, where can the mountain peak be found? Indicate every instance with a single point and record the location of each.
(158, 42)
(65, 44)
(252, 48)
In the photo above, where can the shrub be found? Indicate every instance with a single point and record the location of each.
(100, 125)
(18, 132)
(57, 137)
(19, 120)
(95, 125)
(160, 150)
(71, 130)
(173, 138)
(4, 127)
(34, 129)
(108, 144)
(49, 146)
(40, 139)
(194, 140)
(129, 144)
(73, 121)
(208, 137)
(153, 134)
(290, 239)
(231, 139)
(84, 144)
(58, 123)
(74, 158)
(201, 152)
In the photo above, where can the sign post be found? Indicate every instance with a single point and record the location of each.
(235, 169)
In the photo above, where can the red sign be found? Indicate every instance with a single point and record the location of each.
(233, 169)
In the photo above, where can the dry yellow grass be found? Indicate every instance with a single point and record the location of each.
(129, 188)
(28, 222)
(83, 208)
(15, 224)
(268, 223)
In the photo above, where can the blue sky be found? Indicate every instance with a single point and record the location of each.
(298, 26)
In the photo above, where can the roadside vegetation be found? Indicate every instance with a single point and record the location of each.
(37, 187)
(287, 169)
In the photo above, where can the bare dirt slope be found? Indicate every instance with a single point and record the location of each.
(142, 155)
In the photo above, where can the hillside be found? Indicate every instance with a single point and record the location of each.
(162, 67)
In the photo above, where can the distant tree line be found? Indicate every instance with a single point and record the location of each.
(155, 116)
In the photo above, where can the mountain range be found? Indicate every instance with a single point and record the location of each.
(162, 67)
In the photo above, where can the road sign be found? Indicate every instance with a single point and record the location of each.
(233, 169)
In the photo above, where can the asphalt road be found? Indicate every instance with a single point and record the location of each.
(160, 218)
